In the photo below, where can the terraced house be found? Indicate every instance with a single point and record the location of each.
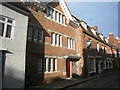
(51, 47)
(114, 42)
(43, 41)
(97, 52)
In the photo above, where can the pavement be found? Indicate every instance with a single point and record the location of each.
(64, 84)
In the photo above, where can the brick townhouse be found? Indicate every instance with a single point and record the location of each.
(97, 52)
(114, 42)
(51, 47)
(49, 43)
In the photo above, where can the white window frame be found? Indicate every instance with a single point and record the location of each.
(60, 40)
(47, 65)
(5, 27)
(84, 25)
(115, 53)
(49, 15)
(94, 32)
(98, 47)
(53, 38)
(101, 36)
(68, 41)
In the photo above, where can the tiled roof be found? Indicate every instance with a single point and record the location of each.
(91, 34)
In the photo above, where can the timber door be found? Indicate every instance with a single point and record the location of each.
(68, 68)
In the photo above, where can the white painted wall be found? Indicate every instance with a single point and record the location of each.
(14, 75)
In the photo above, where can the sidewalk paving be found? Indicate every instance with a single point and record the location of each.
(62, 84)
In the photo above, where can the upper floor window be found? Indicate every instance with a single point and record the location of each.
(56, 39)
(102, 48)
(89, 43)
(115, 52)
(70, 43)
(55, 15)
(97, 46)
(101, 36)
(35, 33)
(94, 32)
(105, 50)
(7, 26)
(106, 40)
(84, 25)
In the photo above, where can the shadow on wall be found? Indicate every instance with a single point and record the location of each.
(93, 52)
(35, 52)
(13, 79)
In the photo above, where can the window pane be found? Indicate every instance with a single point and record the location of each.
(9, 21)
(2, 18)
(40, 65)
(52, 37)
(53, 64)
(8, 33)
(1, 29)
(44, 65)
(49, 64)
(30, 30)
(35, 33)
(59, 40)
(63, 19)
(52, 13)
(55, 39)
(59, 17)
(48, 12)
(40, 35)
(56, 13)
(73, 44)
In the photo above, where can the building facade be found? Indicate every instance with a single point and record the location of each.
(51, 47)
(114, 42)
(13, 35)
(97, 52)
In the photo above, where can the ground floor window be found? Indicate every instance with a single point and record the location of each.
(50, 64)
(91, 65)
(107, 64)
(104, 65)
(101, 65)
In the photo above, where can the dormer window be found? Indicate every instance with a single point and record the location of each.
(89, 43)
(55, 15)
(101, 36)
(106, 40)
(84, 25)
(94, 32)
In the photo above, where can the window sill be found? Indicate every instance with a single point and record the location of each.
(6, 38)
(50, 72)
(55, 21)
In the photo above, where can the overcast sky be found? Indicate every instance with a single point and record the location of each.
(101, 14)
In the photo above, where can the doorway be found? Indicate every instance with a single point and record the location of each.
(68, 68)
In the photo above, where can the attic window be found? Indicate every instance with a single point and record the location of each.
(94, 32)
(84, 25)
(101, 36)
(106, 40)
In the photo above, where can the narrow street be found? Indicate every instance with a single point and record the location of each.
(109, 81)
